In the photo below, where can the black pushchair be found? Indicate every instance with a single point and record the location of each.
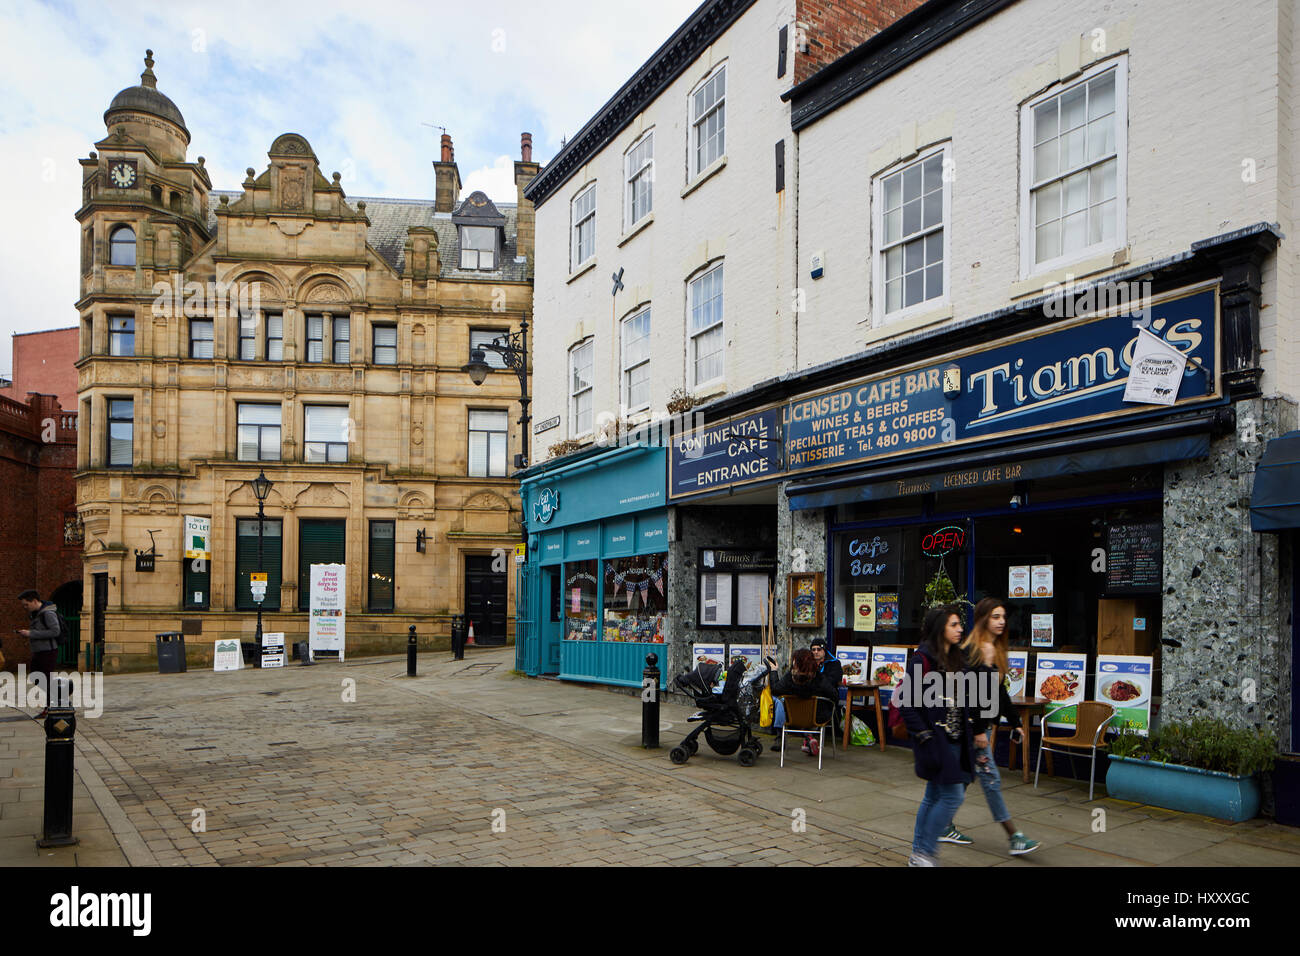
(722, 719)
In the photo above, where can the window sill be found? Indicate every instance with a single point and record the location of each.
(909, 323)
(707, 173)
(709, 389)
(1037, 283)
(582, 269)
(627, 236)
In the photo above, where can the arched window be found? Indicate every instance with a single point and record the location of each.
(121, 246)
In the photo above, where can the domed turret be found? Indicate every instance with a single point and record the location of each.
(130, 107)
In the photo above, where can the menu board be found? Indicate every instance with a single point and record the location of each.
(715, 599)
(1126, 684)
(1017, 667)
(751, 599)
(710, 653)
(855, 661)
(1133, 558)
(753, 656)
(1060, 679)
(887, 667)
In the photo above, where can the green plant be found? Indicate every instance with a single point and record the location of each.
(1203, 742)
(939, 591)
(679, 401)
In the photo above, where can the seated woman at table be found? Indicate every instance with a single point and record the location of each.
(985, 648)
(803, 679)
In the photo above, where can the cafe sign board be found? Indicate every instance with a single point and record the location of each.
(1073, 373)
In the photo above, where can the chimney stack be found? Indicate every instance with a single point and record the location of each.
(446, 179)
(525, 171)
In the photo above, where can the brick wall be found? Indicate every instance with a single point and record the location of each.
(831, 28)
(45, 362)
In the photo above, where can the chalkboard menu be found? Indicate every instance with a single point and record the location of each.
(870, 557)
(1133, 558)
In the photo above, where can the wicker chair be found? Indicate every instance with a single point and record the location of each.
(1089, 734)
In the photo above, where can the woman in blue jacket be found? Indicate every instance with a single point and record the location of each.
(940, 723)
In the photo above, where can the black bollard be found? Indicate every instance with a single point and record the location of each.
(410, 651)
(650, 703)
(60, 730)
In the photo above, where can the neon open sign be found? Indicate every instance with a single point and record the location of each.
(946, 540)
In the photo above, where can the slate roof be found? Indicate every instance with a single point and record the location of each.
(389, 220)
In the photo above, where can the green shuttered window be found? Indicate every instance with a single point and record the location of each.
(246, 562)
(319, 542)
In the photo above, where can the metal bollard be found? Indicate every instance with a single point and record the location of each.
(60, 730)
(650, 703)
(410, 651)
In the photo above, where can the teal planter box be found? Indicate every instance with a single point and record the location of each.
(1188, 789)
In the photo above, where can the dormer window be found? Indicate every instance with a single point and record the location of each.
(478, 247)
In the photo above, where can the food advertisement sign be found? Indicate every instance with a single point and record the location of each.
(328, 594)
(1017, 667)
(1041, 580)
(1018, 581)
(887, 667)
(1126, 684)
(855, 661)
(710, 654)
(753, 657)
(1075, 372)
(1060, 678)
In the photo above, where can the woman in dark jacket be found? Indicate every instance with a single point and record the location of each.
(942, 733)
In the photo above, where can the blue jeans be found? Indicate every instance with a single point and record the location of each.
(938, 807)
(990, 779)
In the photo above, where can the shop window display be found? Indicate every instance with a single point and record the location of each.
(636, 598)
(580, 620)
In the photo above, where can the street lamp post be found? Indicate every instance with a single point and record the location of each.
(513, 349)
(261, 488)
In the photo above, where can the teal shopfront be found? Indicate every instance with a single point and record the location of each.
(594, 583)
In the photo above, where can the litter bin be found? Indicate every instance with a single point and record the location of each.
(171, 652)
(252, 652)
(458, 636)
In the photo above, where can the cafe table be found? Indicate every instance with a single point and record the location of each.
(865, 691)
(1027, 707)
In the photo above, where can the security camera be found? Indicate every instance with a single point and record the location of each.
(1016, 501)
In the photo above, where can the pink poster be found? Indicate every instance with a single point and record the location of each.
(575, 600)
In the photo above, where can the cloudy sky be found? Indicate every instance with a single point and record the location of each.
(359, 80)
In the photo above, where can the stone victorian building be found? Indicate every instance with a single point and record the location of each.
(287, 329)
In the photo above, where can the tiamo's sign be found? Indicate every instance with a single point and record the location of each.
(1073, 373)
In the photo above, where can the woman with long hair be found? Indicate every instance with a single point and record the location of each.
(942, 732)
(985, 650)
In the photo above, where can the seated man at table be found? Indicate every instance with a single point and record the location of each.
(829, 666)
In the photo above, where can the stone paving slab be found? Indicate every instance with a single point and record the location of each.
(355, 764)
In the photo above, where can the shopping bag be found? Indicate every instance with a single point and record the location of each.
(779, 719)
(860, 734)
(766, 710)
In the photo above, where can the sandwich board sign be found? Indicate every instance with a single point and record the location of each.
(328, 594)
(227, 656)
(273, 649)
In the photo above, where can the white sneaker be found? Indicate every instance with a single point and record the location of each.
(918, 860)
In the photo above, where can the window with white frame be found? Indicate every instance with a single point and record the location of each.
(384, 344)
(709, 121)
(478, 247)
(1073, 144)
(487, 443)
(584, 226)
(705, 327)
(259, 431)
(201, 333)
(636, 361)
(911, 210)
(640, 173)
(580, 367)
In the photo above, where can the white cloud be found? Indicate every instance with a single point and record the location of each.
(359, 81)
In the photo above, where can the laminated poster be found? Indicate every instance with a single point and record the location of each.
(1018, 582)
(1017, 667)
(710, 653)
(855, 661)
(1125, 684)
(887, 611)
(1060, 679)
(326, 629)
(864, 611)
(1041, 580)
(753, 655)
(888, 665)
(1043, 626)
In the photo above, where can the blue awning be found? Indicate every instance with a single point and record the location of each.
(1275, 502)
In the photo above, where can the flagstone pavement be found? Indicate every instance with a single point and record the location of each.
(356, 764)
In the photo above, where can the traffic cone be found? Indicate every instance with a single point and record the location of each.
(470, 640)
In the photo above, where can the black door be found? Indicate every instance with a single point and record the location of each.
(100, 606)
(485, 599)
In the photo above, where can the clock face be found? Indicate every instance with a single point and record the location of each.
(122, 175)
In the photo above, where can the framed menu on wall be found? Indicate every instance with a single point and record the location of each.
(1134, 558)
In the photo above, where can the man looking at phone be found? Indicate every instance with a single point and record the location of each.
(43, 636)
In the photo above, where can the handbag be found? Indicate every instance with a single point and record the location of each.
(766, 707)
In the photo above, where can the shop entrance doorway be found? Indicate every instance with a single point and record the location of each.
(550, 624)
(485, 599)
